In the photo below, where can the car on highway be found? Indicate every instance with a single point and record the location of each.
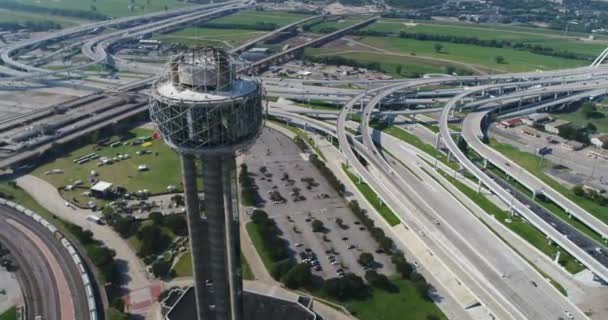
(568, 314)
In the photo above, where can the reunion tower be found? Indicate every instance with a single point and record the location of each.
(208, 113)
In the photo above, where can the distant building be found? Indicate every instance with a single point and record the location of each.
(536, 118)
(600, 141)
(572, 145)
(101, 189)
(553, 127)
(149, 44)
(510, 123)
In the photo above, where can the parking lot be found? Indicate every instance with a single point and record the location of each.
(282, 171)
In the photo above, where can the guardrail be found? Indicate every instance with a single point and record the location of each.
(68, 247)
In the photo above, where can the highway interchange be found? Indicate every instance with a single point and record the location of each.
(493, 272)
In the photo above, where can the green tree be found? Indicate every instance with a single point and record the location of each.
(156, 217)
(298, 276)
(365, 259)
(177, 224)
(161, 268)
(499, 59)
(399, 69)
(125, 226)
(438, 47)
(317, 226)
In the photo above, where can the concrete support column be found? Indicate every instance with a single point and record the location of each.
(218, 258)
(479, 187)
(197, 231)
(485, 163)
(231, 215)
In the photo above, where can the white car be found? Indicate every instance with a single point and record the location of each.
(568, 314)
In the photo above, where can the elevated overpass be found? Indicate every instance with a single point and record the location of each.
(283, 56)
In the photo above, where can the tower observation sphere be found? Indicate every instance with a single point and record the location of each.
(208, 113)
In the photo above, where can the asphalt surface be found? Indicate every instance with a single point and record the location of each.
(280, 155)
(50, 280)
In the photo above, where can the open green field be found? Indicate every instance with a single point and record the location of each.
(515, 60)
(518, 225)
(163, 164)
(208, 36)
(20, 16)
(113, 8)
(372, 198)
(406, 303)
(183, 268)
(489, 32)
(578, 118)
(335, 24)
(10, 314)
(251, 18)
(530, 162)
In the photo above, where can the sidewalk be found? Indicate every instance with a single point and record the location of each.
(141, 291)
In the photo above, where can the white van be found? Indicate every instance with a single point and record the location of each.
(95, 219)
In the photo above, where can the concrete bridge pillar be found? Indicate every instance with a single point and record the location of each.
(479, 187)
(485, 163)
(557, 254)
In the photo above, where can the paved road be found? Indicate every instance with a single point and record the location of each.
(471, 131)
(134, 273)
(49, 278)
(561, 239)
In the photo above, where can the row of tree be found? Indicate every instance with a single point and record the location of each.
(492, 43)
(249, 190)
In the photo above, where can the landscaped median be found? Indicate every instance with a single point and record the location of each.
(372, 198)
(518, 225)
(530, 163)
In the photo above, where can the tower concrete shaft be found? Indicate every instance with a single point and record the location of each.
(214, 237)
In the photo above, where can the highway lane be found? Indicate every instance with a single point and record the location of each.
(542, 225)
(494, 262)
(20, 70)
(54, 289)
(471, 131)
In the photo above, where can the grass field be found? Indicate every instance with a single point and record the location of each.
(113, 8)
(515, 60)
(372, 198)
(251, 18)
(10, 314)
(163, 164)
(517, 225)
(488, 32)
(335, 24)
(207, 36)
(530, 162)
(183, 268)
(578, 118)
(404, 304)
